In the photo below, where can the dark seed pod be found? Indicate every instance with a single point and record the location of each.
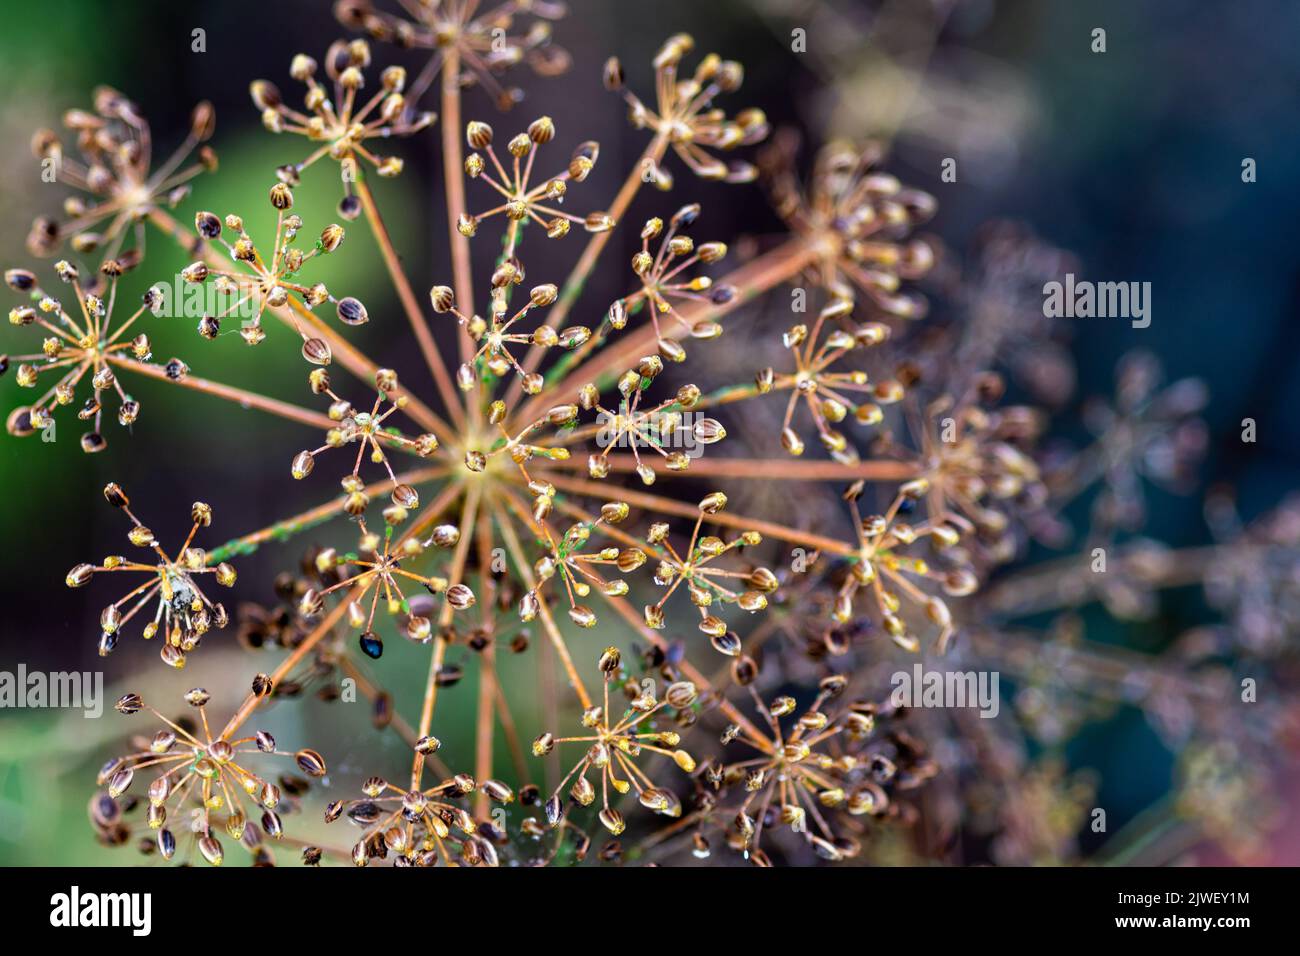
(272, 825)
(311, 763)
(166, 843)
(554, 810)
(352, 312)
(207, 224)
(371, 645)
(381, 713)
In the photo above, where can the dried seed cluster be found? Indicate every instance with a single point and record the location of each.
(505, 487)
(211, 776)
(183, 611)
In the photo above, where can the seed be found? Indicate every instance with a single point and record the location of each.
(498, 791)
(681, 694)
(713, 503)
(310, 762)
(210, 849)
(478, 135)
(726, 642)
(612, 74)
(445, 535)
(541, 130)
(352, 312)
(614, 511)
(460, 597)
(419, 628)
(80, 575)
(371, 645)
(442, 297)
(302, 466)
(612, 820)
(115, 496)
(582, 615)
(331, 237)
(529, 606)
(315, 351)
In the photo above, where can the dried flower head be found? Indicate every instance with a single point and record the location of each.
(830, 394)
(663, 428)
(859, 220)
(566, 558)
(685, 117)
(806, 775)
(368, 431)
(83, 344)
(261, 282)
(881, 568)
(420, 827)
(346, 124)
(185, 612)
(662, 282)
(212, 775)
(375, 569)
(613, 747)
(521, 199)
(977, 463)
(482, 44)
(704, 580)
(1146, 432)
(494, 358)
(116, 174)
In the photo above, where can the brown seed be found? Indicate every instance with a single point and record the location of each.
(310, 762)
(281, 197)
(352, 312)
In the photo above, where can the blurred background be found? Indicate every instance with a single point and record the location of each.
(1130, 160)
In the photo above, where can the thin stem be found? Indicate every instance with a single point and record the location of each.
(453, 178)
(239, 396)
(414, 314)
(454, 576)
(487, 679)
(548, 622)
